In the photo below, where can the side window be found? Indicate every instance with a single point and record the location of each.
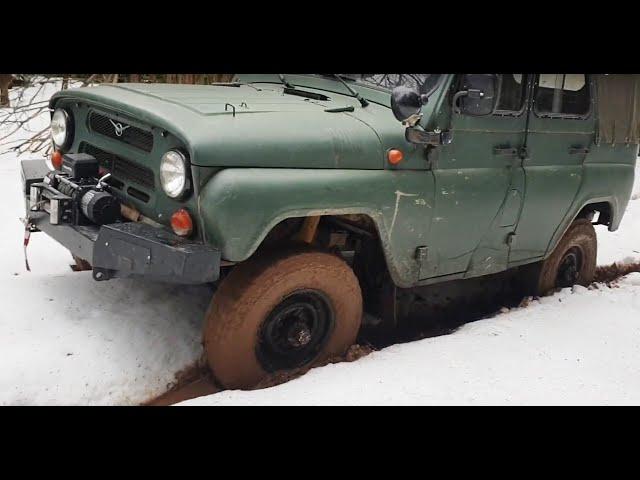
(512, 89)
(562, 94)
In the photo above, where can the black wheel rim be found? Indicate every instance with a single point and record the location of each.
(295, 331)
(569, 268)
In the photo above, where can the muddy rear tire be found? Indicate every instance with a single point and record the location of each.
(573, 261)
(280, 313)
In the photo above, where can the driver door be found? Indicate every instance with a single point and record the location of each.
(479, 184)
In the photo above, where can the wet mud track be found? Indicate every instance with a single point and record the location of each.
(443, 319)
(197, 384)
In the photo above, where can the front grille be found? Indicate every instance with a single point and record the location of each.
(128, 133)
(121, 168)
(127, 170)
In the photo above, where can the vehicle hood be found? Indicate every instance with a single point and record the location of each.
(255, 126)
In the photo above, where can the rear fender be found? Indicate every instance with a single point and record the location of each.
(602, 183)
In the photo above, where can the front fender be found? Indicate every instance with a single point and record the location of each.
(239, 207)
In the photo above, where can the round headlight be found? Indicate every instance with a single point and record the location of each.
(61, 127)
(173, 173)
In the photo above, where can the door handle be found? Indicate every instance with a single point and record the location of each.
(578, 151)
(505, 151)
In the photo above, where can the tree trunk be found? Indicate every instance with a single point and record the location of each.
(222, 77)
(5, 83)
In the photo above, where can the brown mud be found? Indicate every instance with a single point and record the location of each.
(192, 382)
(196, 381)
(611, 273)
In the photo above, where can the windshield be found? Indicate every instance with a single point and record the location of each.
(426, 83)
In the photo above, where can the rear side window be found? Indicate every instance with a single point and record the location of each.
(562, 94)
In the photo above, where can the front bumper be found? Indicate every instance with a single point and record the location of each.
(129, 249)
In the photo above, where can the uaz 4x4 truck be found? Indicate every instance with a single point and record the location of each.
(302, 195)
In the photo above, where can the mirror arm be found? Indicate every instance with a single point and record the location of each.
(412, 120)
(422, 137)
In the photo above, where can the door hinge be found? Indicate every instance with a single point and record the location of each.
(511, 238)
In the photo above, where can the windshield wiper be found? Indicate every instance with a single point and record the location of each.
(284, 81)
(362, 101)
(290, 89)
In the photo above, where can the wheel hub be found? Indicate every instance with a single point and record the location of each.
(569, 268)
(299, 335)
(295, 331)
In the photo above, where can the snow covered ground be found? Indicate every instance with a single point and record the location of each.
(68, 340)
(623, 245)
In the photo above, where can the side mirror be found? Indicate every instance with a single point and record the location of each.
(406, 104)
(478, 95)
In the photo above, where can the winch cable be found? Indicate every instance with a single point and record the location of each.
(28, 228)
(27, 236)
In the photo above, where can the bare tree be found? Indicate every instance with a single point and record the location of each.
(26, 108)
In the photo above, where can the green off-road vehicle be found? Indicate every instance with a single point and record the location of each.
(309, 199)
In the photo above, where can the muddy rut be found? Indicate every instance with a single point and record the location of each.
(196, 381)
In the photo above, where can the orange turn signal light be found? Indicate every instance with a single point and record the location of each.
(56, 159)
(181, 223)
(395, 156)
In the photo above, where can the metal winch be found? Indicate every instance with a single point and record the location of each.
(75, 194)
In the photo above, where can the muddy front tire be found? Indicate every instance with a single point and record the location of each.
(573, 262)
(282, 312)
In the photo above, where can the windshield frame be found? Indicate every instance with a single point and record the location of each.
(328, 83)
(360, 82)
